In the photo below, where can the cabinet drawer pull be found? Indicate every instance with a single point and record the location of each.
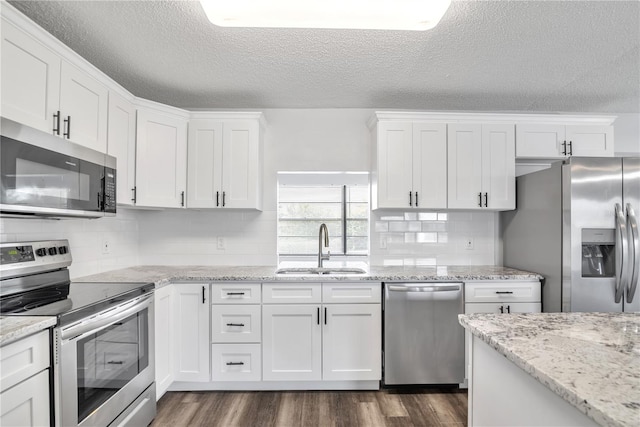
(217, 198)
(416, 199)
(115, 362)
(504, 292)
(486, 200)
(480, 199)
(508, 309)
(203, 297)
(564, 148)
(318, 315)
(235, 363)
(325, 315)
(134, 190)
(235, 324)
(410, 199)
(224, 197)
(570, 148)
(501, 309)
(235, 293)
(182, 199)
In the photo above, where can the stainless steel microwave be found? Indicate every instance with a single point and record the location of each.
(44, 175)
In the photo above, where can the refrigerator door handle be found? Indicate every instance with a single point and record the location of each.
(622, 248)
(634, 252)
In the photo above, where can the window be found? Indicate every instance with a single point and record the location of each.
(339, 200)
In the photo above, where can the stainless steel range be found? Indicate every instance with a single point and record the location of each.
(102, 356)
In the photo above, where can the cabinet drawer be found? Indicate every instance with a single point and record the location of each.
(291, 293)
(235, 323)
(236, 362)
(351, 293)
(505, 291)
(23, 358)
(502, 307)
(235, 293)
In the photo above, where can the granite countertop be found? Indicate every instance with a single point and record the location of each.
(161, 274)
(13, 328)
(591, 360)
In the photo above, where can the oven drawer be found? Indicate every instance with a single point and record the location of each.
(235, 323)
(24, 358)
(291, 293)
(502, 291)
(141, 412)
(235, 293)
(236, 362)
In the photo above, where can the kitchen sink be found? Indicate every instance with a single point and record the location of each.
(320, 270)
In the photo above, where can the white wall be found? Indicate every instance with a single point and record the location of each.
(86, 237)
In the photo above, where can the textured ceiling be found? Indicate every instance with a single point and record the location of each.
(572, 56)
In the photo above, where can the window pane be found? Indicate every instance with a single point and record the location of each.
(358, 210)
(357, 228)
(310, 210)
(357, 245)
(310, 194)
(358, 194)
(308, 228)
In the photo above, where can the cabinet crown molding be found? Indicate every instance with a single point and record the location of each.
(471, 117)
(229, 115)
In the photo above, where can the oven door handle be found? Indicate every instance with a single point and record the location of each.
(106, 318)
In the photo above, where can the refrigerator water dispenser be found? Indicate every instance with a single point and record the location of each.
(598, 252)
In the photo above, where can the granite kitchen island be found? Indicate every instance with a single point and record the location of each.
(554, 369)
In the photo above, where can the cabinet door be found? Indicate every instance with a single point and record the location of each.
(498, 167)
(430, 165)
(291, 343)
(351, 342)
(191, 311)
(26, 404)
(241, 165)
(161, 160)
(30, 80)
(395, 164)
(204, 164)
(540, 141)
(590, 141)
(502, 307)
(164, 321)
(84, 104)
(121, 143)
(465, 166)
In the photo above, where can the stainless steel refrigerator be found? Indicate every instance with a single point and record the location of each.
(575, 223)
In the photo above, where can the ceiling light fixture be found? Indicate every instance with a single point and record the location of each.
(415, 15)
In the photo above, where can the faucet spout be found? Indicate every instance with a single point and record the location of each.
(321, 256)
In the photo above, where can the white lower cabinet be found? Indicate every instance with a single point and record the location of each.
(24, 381)
(329, 342)
(500, 296)
(164, 323)
(191, 339)
(292, 342)
(350, 336)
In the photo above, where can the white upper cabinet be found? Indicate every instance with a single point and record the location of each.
(558, 141)
(161, 159)
(225, 163)
(481, 166)
(410, 165)
(30, 79)
(41, 90)
(121, 143)
(83, 105)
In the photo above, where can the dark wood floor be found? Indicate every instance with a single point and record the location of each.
(433, 407)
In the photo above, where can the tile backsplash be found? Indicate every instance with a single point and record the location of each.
(87, 238)
(433, 238)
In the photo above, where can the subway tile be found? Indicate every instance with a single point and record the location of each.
(427, 216)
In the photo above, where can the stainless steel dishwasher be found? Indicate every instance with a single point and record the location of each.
(423, 341)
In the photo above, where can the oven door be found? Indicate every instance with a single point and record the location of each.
(106, 362)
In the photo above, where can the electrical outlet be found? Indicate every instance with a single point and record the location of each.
(220, 243)
(383, 243)
(468, 243)
(106, 246)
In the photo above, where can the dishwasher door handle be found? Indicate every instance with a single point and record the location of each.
(446, 288)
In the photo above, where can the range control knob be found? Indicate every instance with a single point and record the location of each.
(53, 251)
(41, 252)
(62, 250)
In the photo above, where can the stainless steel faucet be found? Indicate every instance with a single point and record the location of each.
(322, 257)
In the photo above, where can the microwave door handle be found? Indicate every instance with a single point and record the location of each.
(621, 250)
(106, 319)
(634, 252)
